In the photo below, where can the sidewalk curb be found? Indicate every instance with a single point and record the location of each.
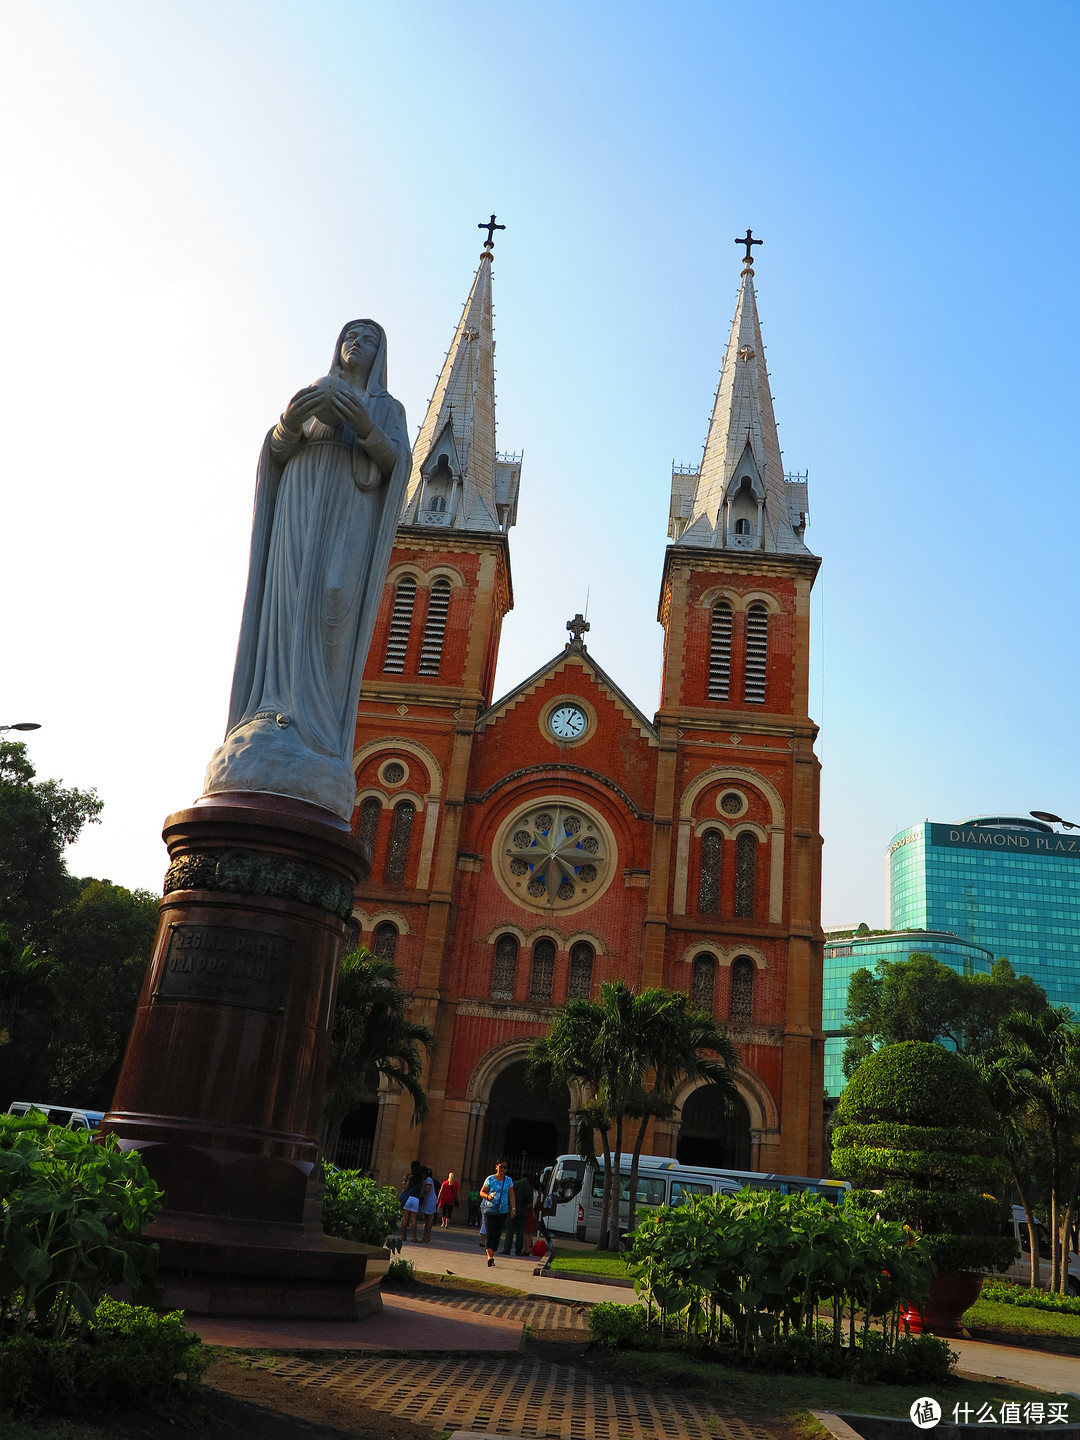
(1024, 1340)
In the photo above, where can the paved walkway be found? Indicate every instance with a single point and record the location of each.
(1026, 1367)
(500, 1396)
(457, 1252)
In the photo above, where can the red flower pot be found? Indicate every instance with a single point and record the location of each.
(951, 1293)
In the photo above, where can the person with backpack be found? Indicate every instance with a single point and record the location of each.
(498, 1205)
(412, 1187)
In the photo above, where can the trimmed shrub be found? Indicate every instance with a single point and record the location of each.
(623, 1327)
(917, 1134)
(1002, 1293)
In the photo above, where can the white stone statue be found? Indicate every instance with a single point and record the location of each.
(329, 492)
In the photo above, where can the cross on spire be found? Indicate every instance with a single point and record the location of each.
(578, 626)
(747, 240)
(491, 227)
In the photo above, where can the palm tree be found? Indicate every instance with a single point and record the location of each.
(610, 1047)
(372, 1035)
(672, 1037)
(1036, 1064)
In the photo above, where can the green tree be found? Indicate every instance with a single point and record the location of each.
(372, 1036)
(627, 1053)
(1035, 1069)
(99, 946)
(38, 819)
(922, 999)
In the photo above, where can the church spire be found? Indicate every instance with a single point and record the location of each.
(739, 498)
(458, 479)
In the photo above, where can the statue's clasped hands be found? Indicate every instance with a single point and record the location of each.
(331, 402)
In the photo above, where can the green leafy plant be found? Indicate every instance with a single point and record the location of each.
(916, 1132)
(1002, 1293)
(355, 1208)
(759, 1271)
(401, 1272)
(72, 1218)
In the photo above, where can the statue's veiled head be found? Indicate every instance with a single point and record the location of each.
(360, 355)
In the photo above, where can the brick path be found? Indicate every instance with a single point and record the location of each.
(512, 1396)
(538, 1314)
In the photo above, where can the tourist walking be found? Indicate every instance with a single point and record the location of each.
(428, 1205)
(515, 1226)
(448, 1193)
(498, 1205)
(412, 1188)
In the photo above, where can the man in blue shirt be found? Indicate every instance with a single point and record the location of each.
(497, 1198)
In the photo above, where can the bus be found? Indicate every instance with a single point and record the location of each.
(573, 1189)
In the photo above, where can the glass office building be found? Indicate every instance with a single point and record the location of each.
(846, 953)
(1008, 884)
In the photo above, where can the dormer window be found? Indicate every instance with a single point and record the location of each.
(742, 527)
(437, 502)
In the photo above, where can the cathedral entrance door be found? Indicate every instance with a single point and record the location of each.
(526, 1126)
(711, 1135)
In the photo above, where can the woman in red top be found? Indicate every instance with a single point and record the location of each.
(448, 1193)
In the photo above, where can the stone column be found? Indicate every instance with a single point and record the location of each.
(221, 1089)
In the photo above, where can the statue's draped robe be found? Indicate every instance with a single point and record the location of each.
(326, 511)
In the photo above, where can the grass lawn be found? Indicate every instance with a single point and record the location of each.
(793, 1396)
(992, 1315)
(591, 1262)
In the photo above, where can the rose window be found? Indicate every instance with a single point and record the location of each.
(555, 857)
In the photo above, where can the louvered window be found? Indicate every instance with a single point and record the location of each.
(543, 972)
(703, 985)
(400, 624)
(757, 654)
(505, 971)
(709, 877)
(384, 941)
(742, 990)
(581, 958)
(368, 828)
(720, 652)
(745, 873)
(397, 855)
(435, 628)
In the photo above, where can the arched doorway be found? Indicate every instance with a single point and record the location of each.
(713, 1135)
(526, 1126)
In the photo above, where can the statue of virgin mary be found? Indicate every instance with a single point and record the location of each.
(330, 487)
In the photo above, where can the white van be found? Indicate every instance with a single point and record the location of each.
(1019, 1272)
(74, 1119)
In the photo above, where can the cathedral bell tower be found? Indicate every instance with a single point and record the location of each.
(735, 885)
(430, 673)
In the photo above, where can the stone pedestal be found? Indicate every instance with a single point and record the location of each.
(221, 1089)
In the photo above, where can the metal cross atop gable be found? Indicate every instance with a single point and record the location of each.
(747, 240)
(578, 626)
(491, 227)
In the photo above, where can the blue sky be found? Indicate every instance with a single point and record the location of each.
(200, 195)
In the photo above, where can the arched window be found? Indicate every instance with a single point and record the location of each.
(703, 984)
(757, 654)
(543, 971)
(745, 872)
(742, 989)
(505, 970)
(368, 827)
(397, 642)
(384, 941)
(397, 854)
(720, 652)
(742, 527)
(437, 502)
(435, 627)
(709, 876)
(352, 935)
(581, 958)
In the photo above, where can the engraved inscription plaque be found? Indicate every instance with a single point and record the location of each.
(225, 964)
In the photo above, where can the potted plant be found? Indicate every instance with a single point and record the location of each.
(915, 1134)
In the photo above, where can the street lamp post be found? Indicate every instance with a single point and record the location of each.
(1054, 819)
(22, 725)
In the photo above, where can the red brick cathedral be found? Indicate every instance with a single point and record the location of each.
(530, 847)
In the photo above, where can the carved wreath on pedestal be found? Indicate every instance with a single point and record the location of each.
(554, 856)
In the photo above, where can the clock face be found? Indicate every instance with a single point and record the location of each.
(568, 722)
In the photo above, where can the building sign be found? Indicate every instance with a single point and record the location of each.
(225, 964)
(1026, 842)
